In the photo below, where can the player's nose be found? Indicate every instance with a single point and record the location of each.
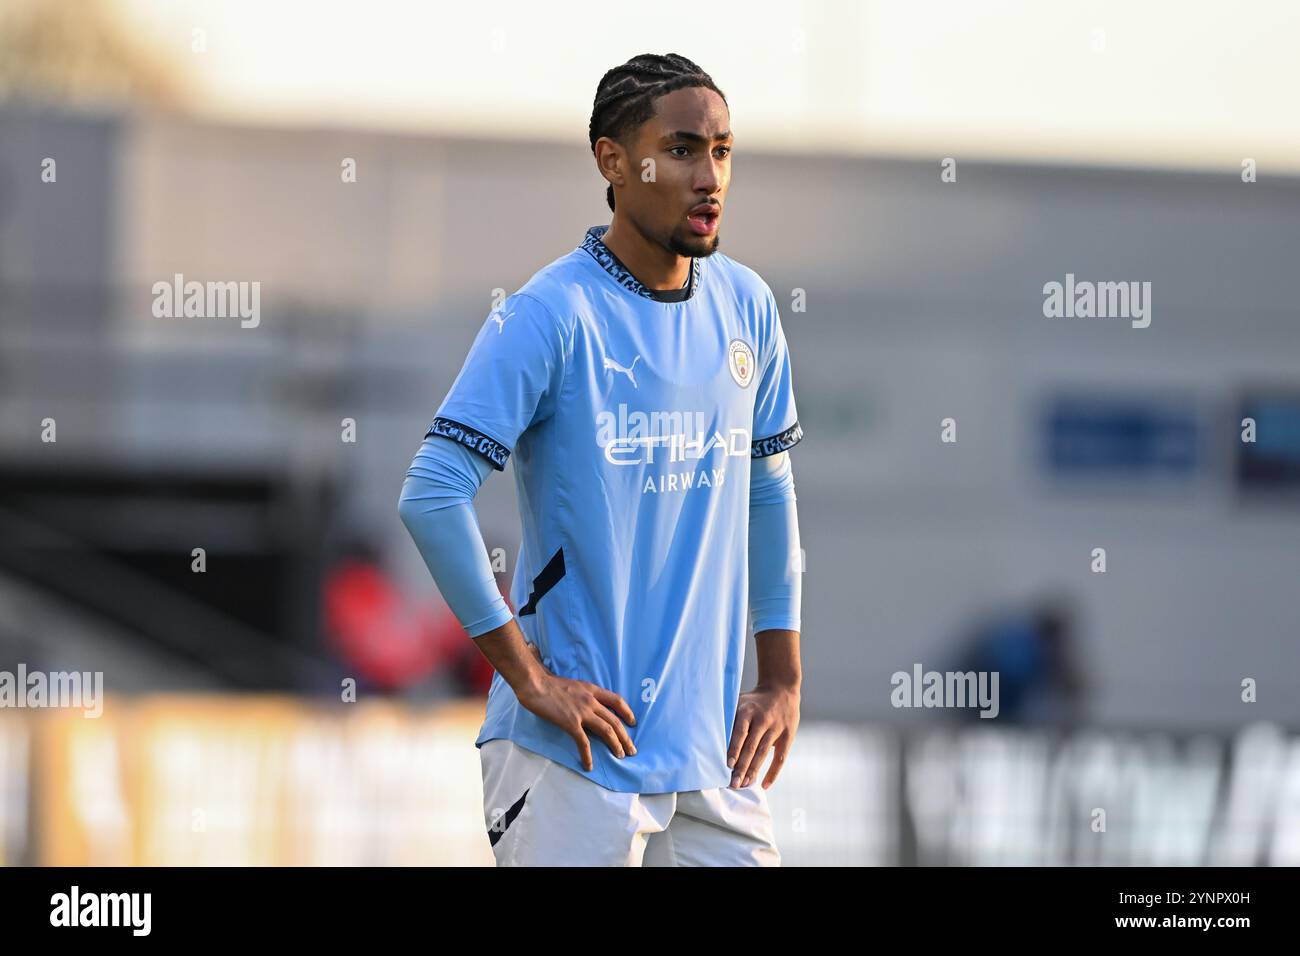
(708, 180)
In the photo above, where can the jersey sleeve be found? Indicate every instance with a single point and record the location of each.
(775, 557)
(776, 420)
(510, 380)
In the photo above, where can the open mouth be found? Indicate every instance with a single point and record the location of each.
(703, 219)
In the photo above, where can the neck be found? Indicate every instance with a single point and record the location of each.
(654, 266)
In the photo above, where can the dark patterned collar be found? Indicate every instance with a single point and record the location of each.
(611, 264)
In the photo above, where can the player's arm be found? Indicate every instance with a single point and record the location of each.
(577, 707)
(509, 383)
(767, 717)
(436, 505)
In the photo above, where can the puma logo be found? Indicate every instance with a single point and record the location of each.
(500, 319)
(611, 365)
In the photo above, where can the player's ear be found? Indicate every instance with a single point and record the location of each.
(611, 160)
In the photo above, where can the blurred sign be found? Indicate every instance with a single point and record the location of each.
(241, 781)
(14, 783)
(1086, 437)
(1271, 461)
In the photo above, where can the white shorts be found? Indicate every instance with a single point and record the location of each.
(541, 813)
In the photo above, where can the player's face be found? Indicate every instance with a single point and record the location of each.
(689, 140)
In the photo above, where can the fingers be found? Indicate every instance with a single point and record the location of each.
(613, 710)
(624, 738)
(755, 736)
(584, 746)
(744, 750)
(739, 731)
(598, 728)
(605, 722)
(598, 724)
(592, 710)
(760, 755)
(778, 760)
(617, 703)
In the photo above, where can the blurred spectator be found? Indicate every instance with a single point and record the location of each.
(1034, 653)
(391, 643)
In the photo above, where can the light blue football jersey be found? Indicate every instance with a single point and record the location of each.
(631, 422)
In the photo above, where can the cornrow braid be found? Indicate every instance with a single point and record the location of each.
(625, 95)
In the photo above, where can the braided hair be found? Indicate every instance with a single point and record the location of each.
(625, 95)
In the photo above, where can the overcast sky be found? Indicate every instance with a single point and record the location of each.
(1152, 82)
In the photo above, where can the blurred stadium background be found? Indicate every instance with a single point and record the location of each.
(209, 140)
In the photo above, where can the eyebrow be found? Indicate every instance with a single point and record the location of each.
(696, 137)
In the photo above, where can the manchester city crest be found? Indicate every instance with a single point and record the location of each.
(740, 361)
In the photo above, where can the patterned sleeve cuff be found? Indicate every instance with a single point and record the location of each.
(762, 447)
(471, 438)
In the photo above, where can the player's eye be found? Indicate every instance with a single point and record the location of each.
(684, 151)
(723, 152)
